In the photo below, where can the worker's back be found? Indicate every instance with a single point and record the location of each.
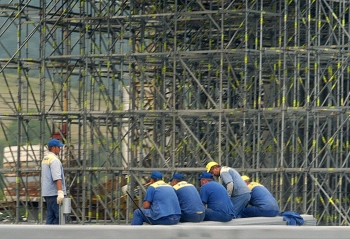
(231, 175)
(189, 199)
(215, 196)
(262, 198)
(163, 200)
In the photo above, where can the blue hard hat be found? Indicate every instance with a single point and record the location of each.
(156, 175)
(54, 142)
(177, 176)
(205, 175)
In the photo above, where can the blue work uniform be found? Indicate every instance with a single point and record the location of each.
(219, 205)
(192, 208)
(262, 203)
(164, 209)
(241, 193)
(51, 171)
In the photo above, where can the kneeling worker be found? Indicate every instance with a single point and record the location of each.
(235, 186)
(214, 195)
(192, 208)
(160, 205)
(262, 203)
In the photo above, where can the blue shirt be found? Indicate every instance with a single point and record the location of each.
(163, 200)
(215, 196)
(189, 199)
(262, 198)
(228, 175)
(51, 170)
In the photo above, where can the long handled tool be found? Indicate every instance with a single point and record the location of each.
(139, 208)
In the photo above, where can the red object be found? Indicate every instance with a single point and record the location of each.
(58, 135)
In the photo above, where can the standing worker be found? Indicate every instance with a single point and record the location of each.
(192, 208)
(262, 203)
(214, 196)
(236, 188)
(160, 205)
(52, 181)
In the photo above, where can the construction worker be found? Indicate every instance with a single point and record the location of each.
(262, 203)
(192, 208)
(214, 196)
(160, 205)
(236, 188)
(52, 181)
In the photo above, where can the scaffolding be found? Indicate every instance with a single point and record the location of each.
(135, 86)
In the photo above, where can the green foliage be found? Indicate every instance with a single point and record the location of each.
(30, 135)
(2, 146)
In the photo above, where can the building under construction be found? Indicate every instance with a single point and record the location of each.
(135, 86)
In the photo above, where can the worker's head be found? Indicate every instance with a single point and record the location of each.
(246, 179)
(213, 168)
(205, 178)
(177, 177)
(55, 146)
(156, 175)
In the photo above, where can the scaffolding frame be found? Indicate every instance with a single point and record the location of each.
(258, 85)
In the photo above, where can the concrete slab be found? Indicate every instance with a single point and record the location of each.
(309, 220)
(171, 232)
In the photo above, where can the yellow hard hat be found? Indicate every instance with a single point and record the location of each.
(245, 177)
(210, 164)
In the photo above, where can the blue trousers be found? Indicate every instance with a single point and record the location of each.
(211, 215)
(256, 212)
(192, 217)
(240, 202)
(53, 210)
(139, 218)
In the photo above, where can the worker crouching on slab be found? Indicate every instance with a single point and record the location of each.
(262, 203)
(214, 196)
(236, 188)
(192, 208)
(52, 181)
(160, 205)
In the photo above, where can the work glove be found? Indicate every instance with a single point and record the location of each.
(60, 197)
